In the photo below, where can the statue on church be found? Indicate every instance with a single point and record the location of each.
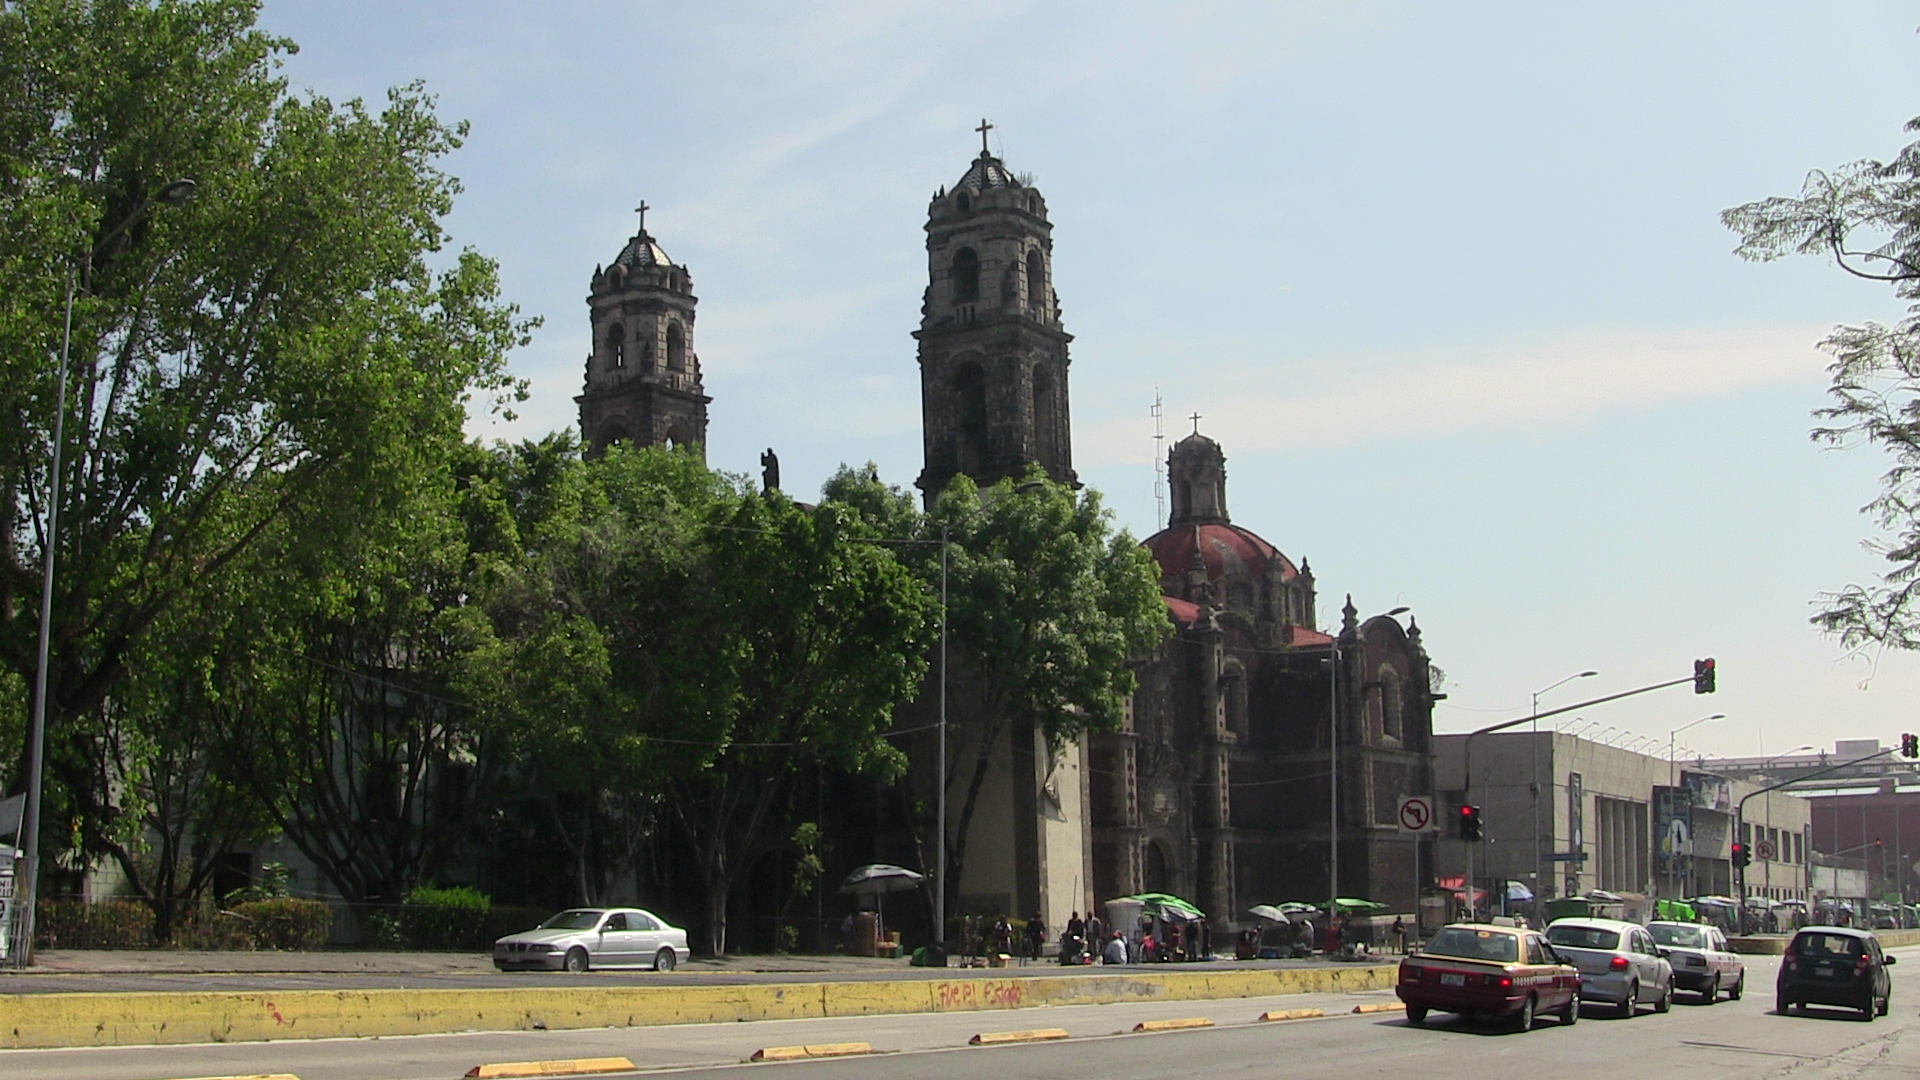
(770, 470)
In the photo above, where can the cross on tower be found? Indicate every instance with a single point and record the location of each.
(642, 211)
(1196, 423)
(983, 129)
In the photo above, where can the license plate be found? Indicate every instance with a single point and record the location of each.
(1451, 979)
(1825, 972)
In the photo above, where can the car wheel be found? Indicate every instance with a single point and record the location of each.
(1570, 1012)
(1524, 1021)
(665, 959)
(576, 960)
(1739, 987)
(1416, 1014)
(1630, 1004)
(1711, 994)
(1866, 1012)
(1885, 1004)
(1665, 1000)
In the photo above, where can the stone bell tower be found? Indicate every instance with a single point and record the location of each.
(643, 377)
(993, 355)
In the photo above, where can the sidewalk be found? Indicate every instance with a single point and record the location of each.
(361, 962)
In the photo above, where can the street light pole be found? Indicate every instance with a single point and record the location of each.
(28, 872)
(940, 779)
(1533, 776)
(1673, 780)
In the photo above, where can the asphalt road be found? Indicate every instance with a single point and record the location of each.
(1743, 1039)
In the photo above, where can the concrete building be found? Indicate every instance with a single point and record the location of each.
(1565, 815)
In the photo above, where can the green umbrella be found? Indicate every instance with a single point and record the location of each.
(1167, 902)
(1358, 905)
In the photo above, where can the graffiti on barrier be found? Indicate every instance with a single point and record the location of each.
(981, 994)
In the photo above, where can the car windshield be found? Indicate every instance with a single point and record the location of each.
(1687, 937)
(1830, 945)
(572, 920)
(1474, 945)
(1584, 937)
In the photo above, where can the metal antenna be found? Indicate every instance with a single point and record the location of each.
(1159, 459)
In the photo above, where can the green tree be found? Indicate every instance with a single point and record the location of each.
(1048, 606)
(1865, 216)
(274, 353)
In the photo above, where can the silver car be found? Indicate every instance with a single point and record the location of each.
(1619, 963)
(1701, 960)
(581, 938)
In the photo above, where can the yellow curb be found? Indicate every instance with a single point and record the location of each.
(1173, 1025)
(1292, 1014)
(817, 1050)
(250, 1076)
(1385, 1006)
(575, 1067)
(1001, 1038)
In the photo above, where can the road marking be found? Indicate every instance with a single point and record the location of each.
(814, 1050)
(1001, 1038)
(1292, 1014)
(250, 1076)
(574, 1067)
(1173, 1025)
(1380, 1007)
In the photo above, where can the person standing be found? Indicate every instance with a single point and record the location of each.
(1036, 936)
(1096, 931)
(1002, 937)
(1400, 935)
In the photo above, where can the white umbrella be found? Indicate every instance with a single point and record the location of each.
(879, 878)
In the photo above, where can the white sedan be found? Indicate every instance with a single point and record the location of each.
(581, 938)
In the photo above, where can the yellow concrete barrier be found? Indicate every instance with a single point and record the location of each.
(571, 1067)
(249, 1076)
(1173, 1025)
(1380, 1007)
(30, 1021)
(1003, 1038)
(817, 1050)
(1291, 1014)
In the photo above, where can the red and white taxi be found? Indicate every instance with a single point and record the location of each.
(1479, 970)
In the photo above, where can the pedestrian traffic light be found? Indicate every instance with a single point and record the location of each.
(1741, 856)
(1910, 745)
(1703, 676)
(1470, 823)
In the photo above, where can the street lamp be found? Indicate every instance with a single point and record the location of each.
(29, 836)
(1533, 775)
(1672, 780)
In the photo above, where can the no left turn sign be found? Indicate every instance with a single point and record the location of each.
(1416, 813)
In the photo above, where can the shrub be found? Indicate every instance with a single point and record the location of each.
(287, 924)
(445, 919)
(207, 927)
(77, 924)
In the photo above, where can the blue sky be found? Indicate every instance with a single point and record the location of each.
(1445, 280)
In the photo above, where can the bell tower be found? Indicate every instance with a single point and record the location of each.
(643, 377)
(993, 354)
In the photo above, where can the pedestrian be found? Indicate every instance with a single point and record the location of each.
(1002, 937)
(1176, 942)
(1036, 936)
(1096, 931)
(1076, 925)
(1116, 950)
(1399, 935)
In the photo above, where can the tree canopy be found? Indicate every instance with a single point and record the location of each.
(1865, 217)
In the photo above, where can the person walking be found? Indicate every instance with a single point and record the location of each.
(1036, 936)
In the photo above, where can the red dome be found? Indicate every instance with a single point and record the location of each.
(1225, 549)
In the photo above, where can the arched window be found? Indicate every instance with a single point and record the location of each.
(1046, 417)
(970, 401)
(1233, 693)
(963, 202)
(1392, 704)
(1036, 283)
(617, 346)
(678, 437)
(676, 347)
(966, 276)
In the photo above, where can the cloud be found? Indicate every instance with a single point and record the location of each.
(1336, 401)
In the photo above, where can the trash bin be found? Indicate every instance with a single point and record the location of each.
(937, 954)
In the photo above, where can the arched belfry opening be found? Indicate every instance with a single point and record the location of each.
(993, 356)
(638, 303)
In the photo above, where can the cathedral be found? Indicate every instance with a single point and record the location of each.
(1250, 730)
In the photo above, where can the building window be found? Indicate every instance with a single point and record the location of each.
(966, 276)
(970, 397)
(617, 345)
(1046, 417)
(1036, 283)
(1392, 702)
(676, 347)
(1233, 694)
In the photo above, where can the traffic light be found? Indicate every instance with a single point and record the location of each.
(1470, 823)
(1910, 745)
(1703, 676)
(1741, 856)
